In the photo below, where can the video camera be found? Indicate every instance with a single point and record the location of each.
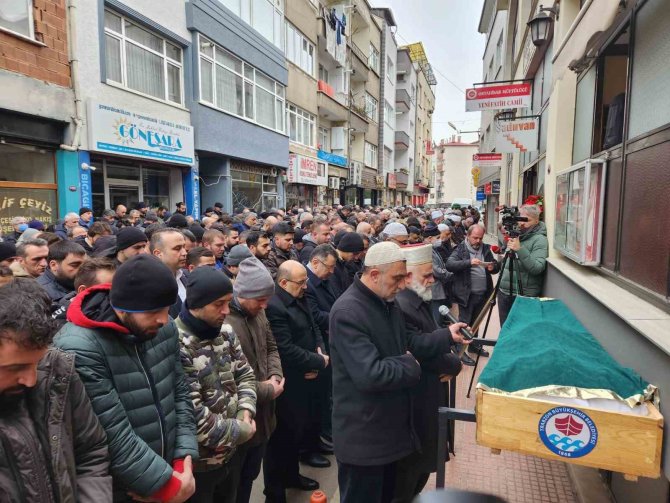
(510, 220)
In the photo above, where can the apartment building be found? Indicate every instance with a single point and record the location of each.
(453, 170)
(387, 108)
(405, 130)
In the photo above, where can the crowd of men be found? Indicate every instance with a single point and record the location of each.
(154, 357)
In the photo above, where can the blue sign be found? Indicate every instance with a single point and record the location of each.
(191, 181)
(568, 432)
(85, 181)
(337, 160)
(481, 196)
(495, 187)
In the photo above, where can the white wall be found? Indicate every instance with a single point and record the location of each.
(35, 97)
(497, 29)
(170, 15)
(407, 121)
(457, 176)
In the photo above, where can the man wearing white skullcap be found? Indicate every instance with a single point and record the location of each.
(397, 233)
(375, 368)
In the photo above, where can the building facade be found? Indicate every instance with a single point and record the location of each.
(387, 107)
(598, 95)
(453, 171)
(238, 103)
(405, 132)
(36, 107)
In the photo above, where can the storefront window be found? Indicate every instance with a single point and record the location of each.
(115, 184)
(156, 186)
(253, 190)
(300, 195)
(27, 184)
(37, 204)
(25, 163)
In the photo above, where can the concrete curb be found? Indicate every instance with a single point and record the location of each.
(588, 485)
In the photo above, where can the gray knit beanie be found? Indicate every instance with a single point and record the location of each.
(253, 280)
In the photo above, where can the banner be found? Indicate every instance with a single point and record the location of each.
(306, 170)
(498, 97)
(487, 160)
(475, 175)
(115, 130)
(517, 136)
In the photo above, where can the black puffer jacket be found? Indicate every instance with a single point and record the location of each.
(77, 461)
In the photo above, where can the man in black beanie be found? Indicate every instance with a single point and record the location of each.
(130, 241)
(125, 346)
(349, 248)
(223, 385)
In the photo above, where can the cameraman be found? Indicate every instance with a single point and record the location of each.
(532, 248)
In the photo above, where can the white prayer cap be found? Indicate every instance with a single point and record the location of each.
(395, 229)
(442, 227)
(436, 214)
(386, 252)
(418, 254)
(454, 218)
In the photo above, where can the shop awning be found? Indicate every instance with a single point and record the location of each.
(584, 36)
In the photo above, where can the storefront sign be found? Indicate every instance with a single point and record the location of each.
(481, 196)
(487, 160)
(495, 187)
(517, 135)
(497, 97)
(33, 204)
(475, 175)
(392, 182)
(338, 160)
(379, 181)
(118, 131)
(306, 170)
(487, 188)
(85, 180)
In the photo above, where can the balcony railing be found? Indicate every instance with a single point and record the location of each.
(359, 53)
(401, 140)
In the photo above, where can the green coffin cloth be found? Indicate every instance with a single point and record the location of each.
(543, 345)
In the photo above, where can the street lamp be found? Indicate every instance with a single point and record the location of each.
(541, 24)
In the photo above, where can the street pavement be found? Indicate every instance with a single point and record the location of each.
(514, 477)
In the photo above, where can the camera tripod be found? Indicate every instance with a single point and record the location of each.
(510, 259)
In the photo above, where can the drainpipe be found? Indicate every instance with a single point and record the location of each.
(74, 74)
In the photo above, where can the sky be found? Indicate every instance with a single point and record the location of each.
(448, 30)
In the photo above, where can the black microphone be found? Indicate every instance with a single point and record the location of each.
(444, 311)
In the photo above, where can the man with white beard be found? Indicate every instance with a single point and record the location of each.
(415, 303)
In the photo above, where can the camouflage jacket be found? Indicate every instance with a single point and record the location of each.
(222, 386)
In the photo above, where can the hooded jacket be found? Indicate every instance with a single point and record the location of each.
(57, 425)
(532, 262)
(138, 391)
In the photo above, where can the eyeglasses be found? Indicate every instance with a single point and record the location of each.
(329, 267)
(299, 283)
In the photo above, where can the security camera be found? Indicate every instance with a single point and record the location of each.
(87, 167)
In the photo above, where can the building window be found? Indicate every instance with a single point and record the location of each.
(141, 60)
(371, 155)
(323, 74)
(390, 69)
(324, 139)
(230, 84)
(16, 16)
(373, 59)
(389, 114)
(499, 50)
(265, 16)
(412, 96)
(299, 50)
(387, 159)
(300, 124)
(371, 105)
(252, 188)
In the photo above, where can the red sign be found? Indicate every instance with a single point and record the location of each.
(429, 147)
(391, 182)
(498, 97)
(487, 160)
(487, 188)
